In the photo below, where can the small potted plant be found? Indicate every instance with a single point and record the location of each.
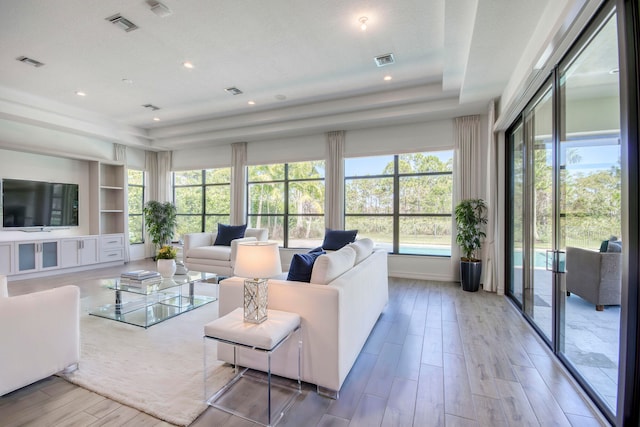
(160, 221)
(166, 261)
(471, 217)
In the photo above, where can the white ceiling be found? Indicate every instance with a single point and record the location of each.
(450, 60)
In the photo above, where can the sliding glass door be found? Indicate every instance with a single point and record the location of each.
(565, 257)
(591, 211)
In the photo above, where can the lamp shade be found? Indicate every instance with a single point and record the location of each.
(259, 260)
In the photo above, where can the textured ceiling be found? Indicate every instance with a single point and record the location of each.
(450, 60)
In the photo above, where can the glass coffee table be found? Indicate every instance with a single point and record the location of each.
(147, 305)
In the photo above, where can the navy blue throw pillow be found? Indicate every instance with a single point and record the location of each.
(302, 266)
(227, 233)
(336, 239)
(604, 246)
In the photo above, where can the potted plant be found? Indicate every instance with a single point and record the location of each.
(166, 261)
(160, 221)
(471, 217)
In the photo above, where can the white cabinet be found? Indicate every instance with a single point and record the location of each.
(111, 247)
(37, 255)
(6, 258)
(78, 251)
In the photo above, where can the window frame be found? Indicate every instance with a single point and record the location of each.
(285, 181)
(203, 185)
(395, 215)
(141, 214)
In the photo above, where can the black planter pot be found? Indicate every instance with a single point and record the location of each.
(470, 275)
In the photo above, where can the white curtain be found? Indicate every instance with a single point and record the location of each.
(158, 167)
(238, 180)
(151, 167)
(164, 177)
(468, 171)
(334, 181)
(468, 158)
(491, 282)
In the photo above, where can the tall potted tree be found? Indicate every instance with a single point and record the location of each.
(471, 217)
(160, 220)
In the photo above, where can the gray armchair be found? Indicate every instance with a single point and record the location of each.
(594, 276)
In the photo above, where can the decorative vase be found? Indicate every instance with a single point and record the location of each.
(167, 267)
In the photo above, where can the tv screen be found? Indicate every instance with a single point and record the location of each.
(28, 203)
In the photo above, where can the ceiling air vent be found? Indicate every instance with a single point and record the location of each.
(233, 90)
(151, 107)
(29, 61)
(383, 60)
(122, 22)
(159, 9)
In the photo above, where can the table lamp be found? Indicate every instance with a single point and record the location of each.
(257, 261)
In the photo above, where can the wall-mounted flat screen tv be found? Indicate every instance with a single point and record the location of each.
(27, 204)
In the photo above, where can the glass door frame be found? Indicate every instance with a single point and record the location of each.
(629, 390)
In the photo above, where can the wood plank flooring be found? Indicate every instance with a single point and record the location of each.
(438, 356)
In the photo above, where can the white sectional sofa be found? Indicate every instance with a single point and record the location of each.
(39, 335)
(347, 293)
(200, 254)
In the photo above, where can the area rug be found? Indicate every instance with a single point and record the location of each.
(158, 370)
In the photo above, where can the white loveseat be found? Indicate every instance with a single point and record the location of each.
(200, 254)
(347, 293)
(39, 335)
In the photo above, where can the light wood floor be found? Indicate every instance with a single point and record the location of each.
(437, 356)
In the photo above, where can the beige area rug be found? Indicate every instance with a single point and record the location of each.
(158, 370)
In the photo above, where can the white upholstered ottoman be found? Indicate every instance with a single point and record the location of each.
(265, 337)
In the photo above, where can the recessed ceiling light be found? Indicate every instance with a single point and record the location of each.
(251, 102)
(363, 23)
(156, 119)
(187, 64)
(387, 78)
(80, 93)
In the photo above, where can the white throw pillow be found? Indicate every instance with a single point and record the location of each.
(331, 265)
(363, 248)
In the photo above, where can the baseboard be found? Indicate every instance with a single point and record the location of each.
(422, 276)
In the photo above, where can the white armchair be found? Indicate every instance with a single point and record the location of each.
(40, 335)
(200, 253)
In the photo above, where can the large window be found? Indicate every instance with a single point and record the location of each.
(288, 200)
(403, 202)
(135, 183)
(202, 199)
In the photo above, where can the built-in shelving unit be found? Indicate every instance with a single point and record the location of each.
(112, 198)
